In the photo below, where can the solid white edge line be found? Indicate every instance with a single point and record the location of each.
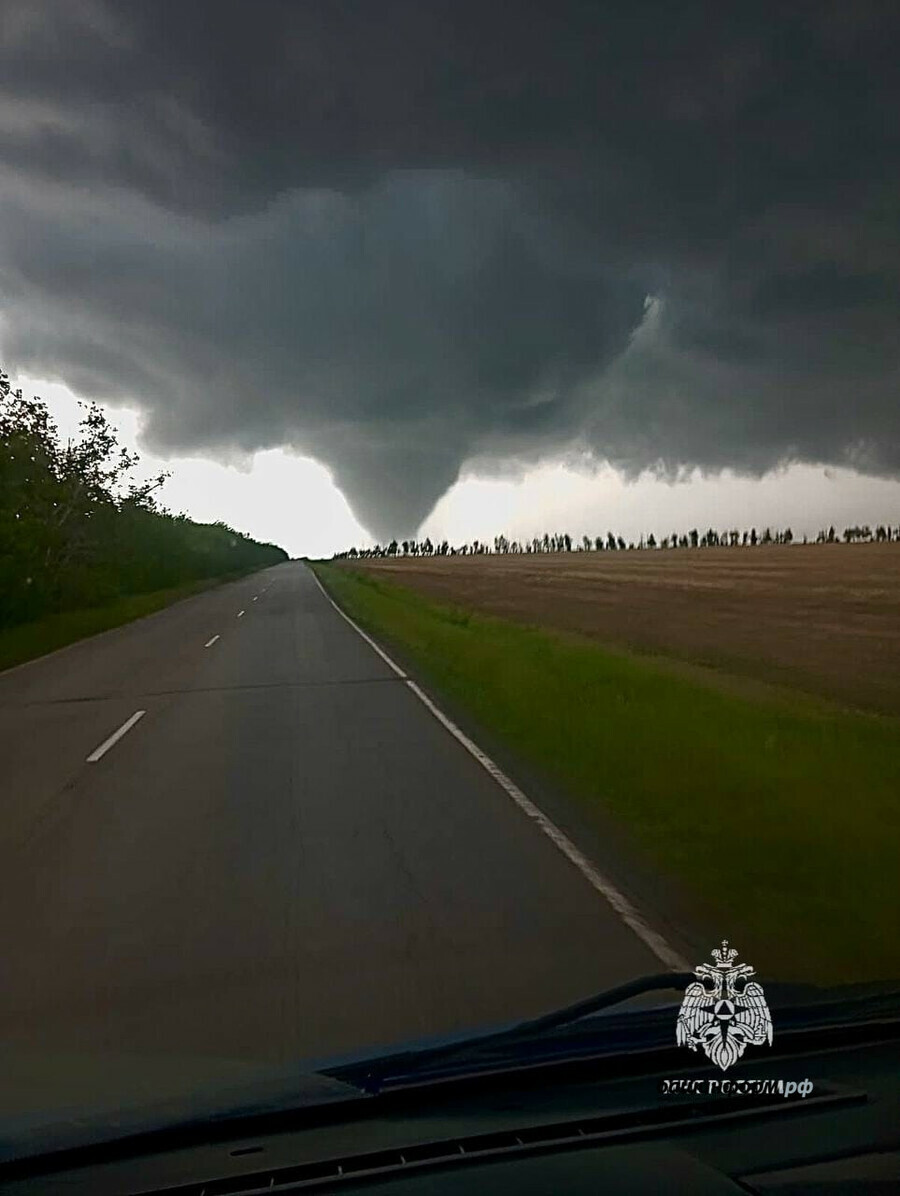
(384, 656)
(600, 883)
(115, 737)
(209, 643)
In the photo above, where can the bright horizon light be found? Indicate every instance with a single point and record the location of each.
(291, 500)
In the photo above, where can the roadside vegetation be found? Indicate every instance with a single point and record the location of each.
(777, 815)
(80, 536)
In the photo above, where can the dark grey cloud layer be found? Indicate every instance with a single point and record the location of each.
(398, 235)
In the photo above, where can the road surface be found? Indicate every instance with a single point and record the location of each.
(285, 856)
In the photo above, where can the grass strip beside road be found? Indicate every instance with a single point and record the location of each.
(779, 817)
(27, 641)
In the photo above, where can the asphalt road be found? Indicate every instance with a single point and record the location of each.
(287, 856)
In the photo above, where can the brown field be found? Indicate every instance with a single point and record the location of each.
(821, 618)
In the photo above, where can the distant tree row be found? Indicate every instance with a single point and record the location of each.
(563, 542)
(76, 530)
(852, 535)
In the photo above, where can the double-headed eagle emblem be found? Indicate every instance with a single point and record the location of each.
(723, 1011)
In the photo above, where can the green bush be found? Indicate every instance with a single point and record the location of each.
(77, 533)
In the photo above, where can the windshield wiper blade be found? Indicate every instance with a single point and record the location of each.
(604, 1000)
(801, 1007)
(370, 1077)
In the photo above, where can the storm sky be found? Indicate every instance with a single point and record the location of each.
(399, 237)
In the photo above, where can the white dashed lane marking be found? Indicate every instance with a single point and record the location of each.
(115, 737)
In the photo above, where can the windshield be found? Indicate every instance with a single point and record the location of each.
(449, 529)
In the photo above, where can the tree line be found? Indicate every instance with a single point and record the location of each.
(77, 530)
(563, 542)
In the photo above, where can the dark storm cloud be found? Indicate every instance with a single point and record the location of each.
(399, 235)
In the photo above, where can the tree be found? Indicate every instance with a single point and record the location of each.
(78, 529)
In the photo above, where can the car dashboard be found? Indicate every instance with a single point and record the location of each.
(578, 1126)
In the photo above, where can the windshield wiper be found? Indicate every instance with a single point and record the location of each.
(407, 1062)
(801, 1007)
(605, 1000)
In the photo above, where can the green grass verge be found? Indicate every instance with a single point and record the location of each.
(30, 640)
(778, 816)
